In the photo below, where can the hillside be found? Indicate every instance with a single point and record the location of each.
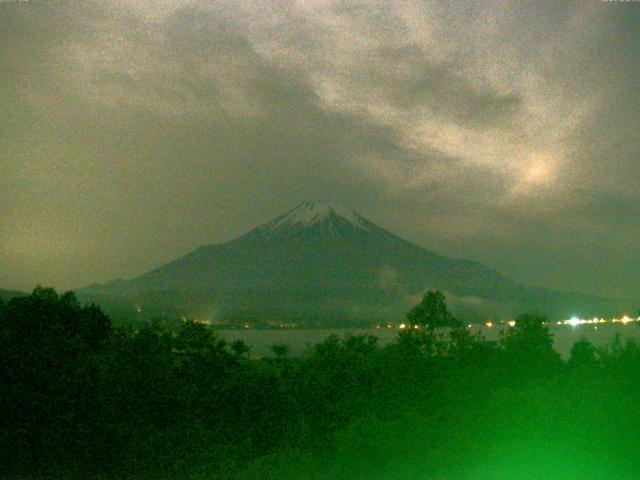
(9, 294)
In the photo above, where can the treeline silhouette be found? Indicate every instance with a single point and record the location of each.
(81, 399)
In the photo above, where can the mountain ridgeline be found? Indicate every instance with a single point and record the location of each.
(6, 295)
(323, 264)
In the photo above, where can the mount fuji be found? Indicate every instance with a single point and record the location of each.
(322, 263)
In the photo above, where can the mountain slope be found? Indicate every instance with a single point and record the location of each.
(9, 294)
(324, 262)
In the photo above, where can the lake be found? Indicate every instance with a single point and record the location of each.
(298, 340)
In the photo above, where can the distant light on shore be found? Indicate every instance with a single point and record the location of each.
(575, 321)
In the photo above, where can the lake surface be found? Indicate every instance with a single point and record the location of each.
(564, 336)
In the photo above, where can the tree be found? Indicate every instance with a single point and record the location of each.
(432, 312)
(240, 348)
(280, 351)
(44, 315)
(529, 335)
(583, 354)
(194, 337)
(529, 347)
(49, 350)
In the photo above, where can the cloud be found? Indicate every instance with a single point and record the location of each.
(136, 131)
(409, 79)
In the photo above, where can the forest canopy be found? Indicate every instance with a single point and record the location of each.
(80, 398)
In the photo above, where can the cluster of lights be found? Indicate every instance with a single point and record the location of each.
(402, 326)
(575, 321)
(203, 321)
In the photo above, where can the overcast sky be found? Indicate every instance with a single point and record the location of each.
(506, 132)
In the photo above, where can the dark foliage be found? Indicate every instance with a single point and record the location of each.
(79, 399)
(432, 312)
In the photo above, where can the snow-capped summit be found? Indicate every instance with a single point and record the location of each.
(329, 217)
(312, 211)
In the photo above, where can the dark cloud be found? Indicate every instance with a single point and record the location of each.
(134, 131)
(411, 80)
